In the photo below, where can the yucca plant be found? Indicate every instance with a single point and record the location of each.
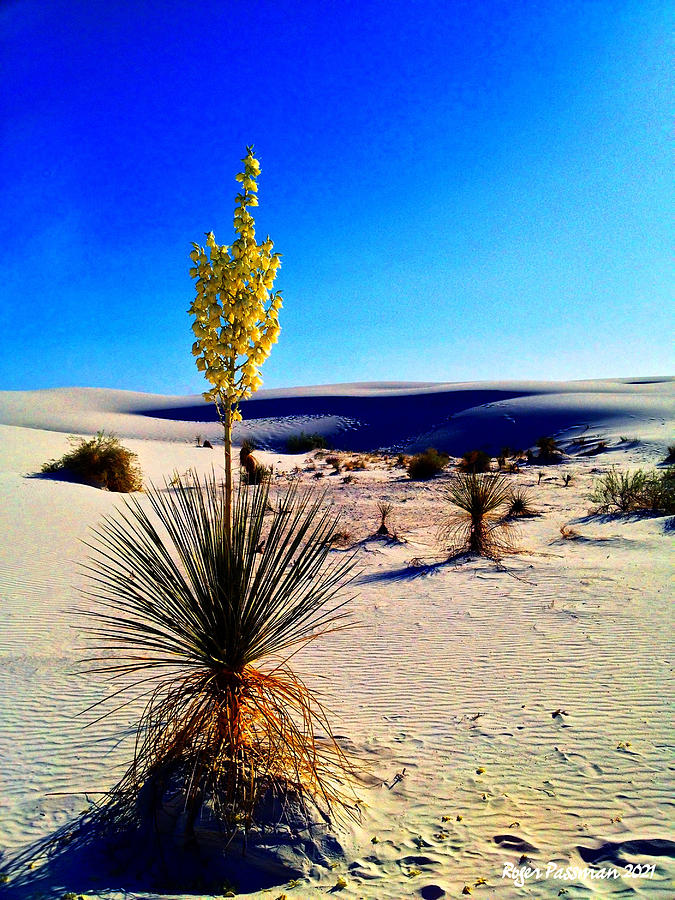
(519, 504)
(476, 525)
(202, 620)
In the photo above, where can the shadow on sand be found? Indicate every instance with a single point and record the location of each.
(86, 856)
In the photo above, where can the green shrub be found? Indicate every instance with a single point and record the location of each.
(671, 454)
(548, 450)
(101, 461)
(639, 491)
(301, 443)
(425, 465)
(519, 504)
(474, 461)
(475, 523)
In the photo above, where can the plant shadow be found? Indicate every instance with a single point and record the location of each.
(84, 856)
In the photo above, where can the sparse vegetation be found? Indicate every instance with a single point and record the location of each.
(426, 465)
(303, 443)
(670, 458)
(334, 461)
(634, 492)
(519, 505)
(477, 524)
(100, 461)
(355, 463)
(475, 461)
(549, 452)
(385, 509)
(566, 479)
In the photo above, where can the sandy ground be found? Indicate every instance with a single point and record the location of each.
(452, 677)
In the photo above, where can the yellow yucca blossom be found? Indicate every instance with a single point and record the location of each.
(235, 312)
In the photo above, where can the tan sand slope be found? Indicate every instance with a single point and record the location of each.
(529, 704)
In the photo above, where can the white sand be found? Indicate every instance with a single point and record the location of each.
(454, 668)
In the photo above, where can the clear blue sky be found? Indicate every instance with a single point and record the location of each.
(460, 190)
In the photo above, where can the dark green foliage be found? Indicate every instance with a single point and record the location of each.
(426, 465)
(302, 443)
(519, 505)
(101, 461)
(634, 492)
(548, 450)
(671, 454)
(474, 461)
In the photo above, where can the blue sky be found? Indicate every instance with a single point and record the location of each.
(460, 190)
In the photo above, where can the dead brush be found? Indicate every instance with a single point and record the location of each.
(477, 524)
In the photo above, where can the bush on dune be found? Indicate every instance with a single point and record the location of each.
(474, 461)
(101, 461)
(426, 465)
(302, 443)
(635, 492)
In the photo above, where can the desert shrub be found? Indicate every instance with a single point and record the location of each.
(355, 463)
(101, 461)
(226, 722)
(638, 491)
(424, 466)
(671, 454)
(566, 478)
(519, 504)
(302, 443)
(334, 461)
(385, 509)
(476, 524)
(548, 450)
(257, 474)
(474, 461)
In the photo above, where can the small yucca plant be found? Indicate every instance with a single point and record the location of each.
(476, 524)
(202, 620)
(519, 504)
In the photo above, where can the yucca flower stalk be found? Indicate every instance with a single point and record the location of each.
(476, 525)
(236, 315)
(203, 626)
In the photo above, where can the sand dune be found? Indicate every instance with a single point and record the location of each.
(364, 416)
(528, 703)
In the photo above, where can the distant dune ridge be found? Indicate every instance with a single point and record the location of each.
(363, 416)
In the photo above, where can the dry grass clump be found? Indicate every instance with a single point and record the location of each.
(355, 463)
(477, 524)
(101, 461)
(634, 492)
(475, 461)
(426, 465)
(203, 626)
